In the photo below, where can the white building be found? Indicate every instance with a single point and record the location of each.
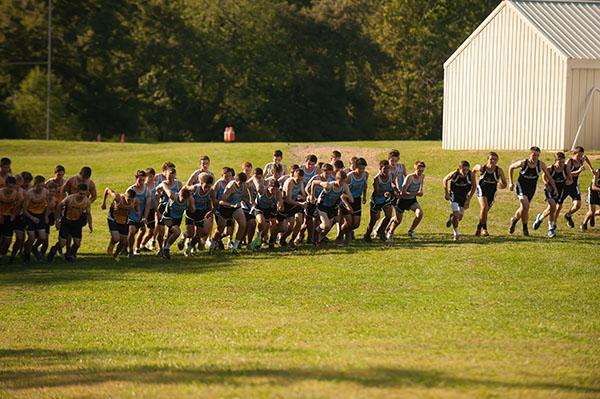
(525, 77)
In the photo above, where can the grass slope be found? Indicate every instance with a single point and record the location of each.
(497, 317)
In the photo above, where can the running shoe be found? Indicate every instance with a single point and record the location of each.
(538, 221)
(513, 224)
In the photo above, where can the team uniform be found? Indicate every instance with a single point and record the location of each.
(118, 216)
(164, 201)
(236, 197)
(290, 210)
(133, 219)
(488, 184)
(357, 187)
(406, 202)
(70, 222)
(460, 186)
(151, 221)
(528, 178)
(560, 178)
(380, 201)
(201, 208)
(308, 175)
(72, 189)
(266, 204)
(8, 210)
(329, 200)
(247, 205)
(572, 190)
(594, 195)
(174, 212)
(37, 208)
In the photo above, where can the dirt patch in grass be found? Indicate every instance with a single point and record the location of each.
(323, 152)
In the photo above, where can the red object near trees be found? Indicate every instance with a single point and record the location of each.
(229, 134)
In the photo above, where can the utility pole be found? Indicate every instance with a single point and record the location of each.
(49, 70)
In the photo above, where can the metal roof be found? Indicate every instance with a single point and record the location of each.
(571, 26)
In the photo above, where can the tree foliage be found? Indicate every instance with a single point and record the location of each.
(277, 70)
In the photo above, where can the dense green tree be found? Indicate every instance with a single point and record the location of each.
(276, 69)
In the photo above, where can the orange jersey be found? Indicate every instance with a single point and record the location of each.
(9, 201)
(120, 210)
(75, 207)
(37, 205)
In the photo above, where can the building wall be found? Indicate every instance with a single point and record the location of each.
(505, 89)
(582, 77)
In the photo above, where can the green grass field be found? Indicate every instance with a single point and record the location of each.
(503, 316)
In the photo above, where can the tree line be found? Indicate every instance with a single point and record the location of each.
(277, 70)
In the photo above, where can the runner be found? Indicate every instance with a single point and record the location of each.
(531, 169)
(462, 187)
(490, 174)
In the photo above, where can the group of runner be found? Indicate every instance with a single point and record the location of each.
(274, 205)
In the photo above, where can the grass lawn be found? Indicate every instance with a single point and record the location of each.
(503, 316)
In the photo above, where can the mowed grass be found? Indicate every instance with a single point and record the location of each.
(503, 316)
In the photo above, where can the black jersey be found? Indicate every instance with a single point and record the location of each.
(559, 176)
(574, 166)
(460, 185)
(529, 175)
(489, 178)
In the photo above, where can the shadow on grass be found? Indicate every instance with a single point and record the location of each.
(90, 265)
(379, 377)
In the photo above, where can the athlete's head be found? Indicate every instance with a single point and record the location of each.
(140, 176)
(11, 182)
(394, 157)
(59, 172)
(327, 170)
(340, 176)
(272, 184)
(298, 174)
(206, 181)
(419, 167)
(335, 155)
(52, 187)
(150, 174)
(338, 165)
(294, 168)
(27, 178)
(5, 165)
(360, 165)
(167, 165)
(82, 188)
(559, 158)
(39, 182)
(492, 158)
(241, 177)
(130, 194)
(85, 172)
(353, 162)
(204, 162)
(578, 152)
(171, 175)
(534, 153)
(258, 173)
(463, 167)
(384, 166)
(229, 174)
(310, 161)
(247, 167)
(277, 156)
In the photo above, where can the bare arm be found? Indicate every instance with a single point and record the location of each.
(548, 177)
(445, 182)
(511, 168)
